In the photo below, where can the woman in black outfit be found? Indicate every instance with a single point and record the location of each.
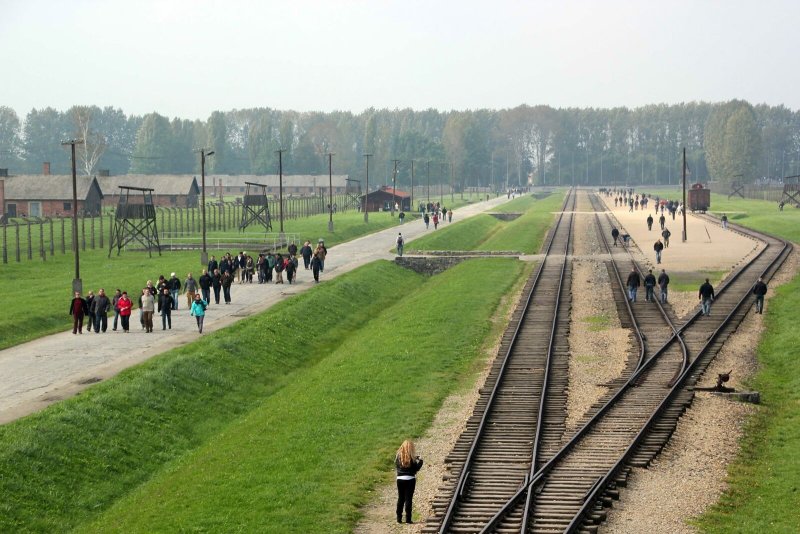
(407, 463)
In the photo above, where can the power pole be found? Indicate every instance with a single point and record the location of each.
(366, 191)
(280, 187)
(394, 185)
(330, 190)
(428, 178)
(412, 185)
(77, 285)
(203, 153)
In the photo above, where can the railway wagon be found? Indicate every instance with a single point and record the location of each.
(699, 198)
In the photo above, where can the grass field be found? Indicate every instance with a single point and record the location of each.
(43, 290)
(283, 421)
(487, 233)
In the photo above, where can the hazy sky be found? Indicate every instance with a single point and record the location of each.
(188, 58)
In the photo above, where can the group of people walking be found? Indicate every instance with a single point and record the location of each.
(163, 296)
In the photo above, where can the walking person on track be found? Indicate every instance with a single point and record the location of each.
(216, 283)
(649, 286)
(227, 280)
(649, 223)
(724, 222)
(665, 234)
(658, 246)
(759, 290)
(114, 301)
(399, 242)
(148, 308)
(407, 463)
(633, 283)
(190, 284)
(663, 283)
(306, 252)
(706, 294)
(615, 235)
(206, 282)
(78, 309)
(174, 285)
(662, 220)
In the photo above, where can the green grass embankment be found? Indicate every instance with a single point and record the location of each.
(281, 422)
(487, 233)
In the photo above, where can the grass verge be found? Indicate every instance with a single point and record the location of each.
(487, 233)
(305, 459)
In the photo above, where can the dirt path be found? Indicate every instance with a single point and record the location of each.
(55, 367)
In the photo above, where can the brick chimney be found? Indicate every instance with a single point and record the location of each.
(46, 168)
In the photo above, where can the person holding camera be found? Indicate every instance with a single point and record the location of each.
(407, 464)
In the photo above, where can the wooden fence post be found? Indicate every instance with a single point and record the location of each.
(5, 241)
(101, 231)
(16, 232)
(92, 230)
(83, 232)
(30, 245)
(41, 240)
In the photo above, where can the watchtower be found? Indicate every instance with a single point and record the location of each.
(135, 220)
(353, 194)
(255, 207)
(791, 190)
(737, 188)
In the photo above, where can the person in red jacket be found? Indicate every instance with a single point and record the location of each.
(125, 305)
(78, 309)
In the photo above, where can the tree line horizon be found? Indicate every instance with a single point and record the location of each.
(725, 142)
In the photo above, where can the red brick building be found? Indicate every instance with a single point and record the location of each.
(48, 195)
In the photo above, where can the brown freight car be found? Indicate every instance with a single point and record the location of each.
(699, 198)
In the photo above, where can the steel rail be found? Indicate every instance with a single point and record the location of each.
(601, 484)
(462, 479)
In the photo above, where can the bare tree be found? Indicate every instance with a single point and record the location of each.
(94, 143)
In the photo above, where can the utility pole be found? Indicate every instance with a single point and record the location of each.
(280, 188)
(77, 285)
(684, 194)
(412, 185)
(428, 177)
(203, 153)
(366, 191)
(330, 190)
(394, 185)
(452, 182)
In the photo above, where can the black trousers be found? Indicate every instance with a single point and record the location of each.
(100, 321)
(206, 294)
(166, 319)
(216, 294)
(226, 292)
(405, 495)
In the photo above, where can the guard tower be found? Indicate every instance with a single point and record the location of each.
(135, 220)
(791, 190)
(255, 207)
(737, 188)
(353, 194)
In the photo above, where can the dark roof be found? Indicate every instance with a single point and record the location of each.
(387, 190)
(161, 184)
(47, 187)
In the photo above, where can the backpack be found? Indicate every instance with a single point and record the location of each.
(400, 241)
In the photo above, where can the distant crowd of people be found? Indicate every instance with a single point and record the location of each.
(634, 201)
(163, 296)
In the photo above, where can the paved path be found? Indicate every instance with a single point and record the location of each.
(52, 368)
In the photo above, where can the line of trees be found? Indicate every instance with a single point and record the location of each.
(731, 141)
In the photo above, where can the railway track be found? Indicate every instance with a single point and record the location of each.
(514, 421)
(571, 490)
